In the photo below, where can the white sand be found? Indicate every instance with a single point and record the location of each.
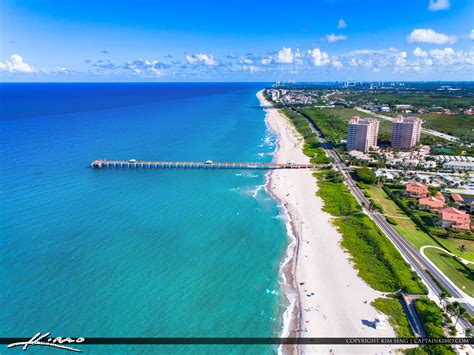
(341, 300)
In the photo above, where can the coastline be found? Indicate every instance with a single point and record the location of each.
(326, 297)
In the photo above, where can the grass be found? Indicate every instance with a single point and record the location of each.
(432, 318)
(374, 256)
(411, 232)
(427, 99)
(458, 125)
(333, 127)
(385, 126)
(463, 277)
(397, 318)
(416, 237)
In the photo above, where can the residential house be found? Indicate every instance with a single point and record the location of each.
(458, 200)
(415, 189)
(453, 218)
(431, 203)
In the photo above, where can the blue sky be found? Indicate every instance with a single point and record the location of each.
(236, 40)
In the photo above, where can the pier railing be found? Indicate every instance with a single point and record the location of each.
(103, 163)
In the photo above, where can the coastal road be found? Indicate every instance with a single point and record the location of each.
(413, 256)
(423, 130)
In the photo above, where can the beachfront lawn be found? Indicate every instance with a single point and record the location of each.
(461, 276)
(396, 316)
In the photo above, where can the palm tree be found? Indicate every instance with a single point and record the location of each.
(461, 312)
(462, 249)
(443, 299)
(468, 332)
(450, 308)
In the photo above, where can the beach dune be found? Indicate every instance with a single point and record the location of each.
(331, 300)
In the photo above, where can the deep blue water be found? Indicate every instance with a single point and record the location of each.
(137, 253)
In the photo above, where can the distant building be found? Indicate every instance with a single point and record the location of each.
(362, 133)
(402, 107)
(454, 218)
(459, 165)
(415, 189)
(275, 95)
(406, 132)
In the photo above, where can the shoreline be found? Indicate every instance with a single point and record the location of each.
(325, 295)
(292, 314)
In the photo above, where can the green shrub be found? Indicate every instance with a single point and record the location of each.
(365, 175)
(397, 317)
(432, 319)
(377, 260)
(391, 221)
(312, 148)
(338, 200)
(333, 127)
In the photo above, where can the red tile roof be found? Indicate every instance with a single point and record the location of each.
(454, 215)
(457, 198)
(431, 202)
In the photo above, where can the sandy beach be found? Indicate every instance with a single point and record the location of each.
(329, 299)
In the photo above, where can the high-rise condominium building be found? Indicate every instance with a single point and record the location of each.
(406, 132)
(362, 133)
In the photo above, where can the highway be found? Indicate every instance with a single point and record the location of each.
(411, 255)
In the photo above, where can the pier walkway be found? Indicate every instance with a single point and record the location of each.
(101, 163)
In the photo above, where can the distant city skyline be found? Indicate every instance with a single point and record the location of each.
(306, 40)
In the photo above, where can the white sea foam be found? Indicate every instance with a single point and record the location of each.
(290, 294)
(288, 291)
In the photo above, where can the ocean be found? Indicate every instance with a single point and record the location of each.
(137, 252)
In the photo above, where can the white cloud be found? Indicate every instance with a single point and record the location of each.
(285, 55)
(335, 38)
(147, 67)
(341, 23)
(16, 65)
(336, 63)
(471, 35)
(437, 5)
(318, 57)
(401, 59)
(420, 53)
(200, 58)
(421, 35)
(266, 60)
(247, 61)
(441, 54)
(251, 68)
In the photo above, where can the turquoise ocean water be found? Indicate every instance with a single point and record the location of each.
(136, 253)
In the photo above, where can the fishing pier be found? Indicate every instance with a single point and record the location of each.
(133, 164)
